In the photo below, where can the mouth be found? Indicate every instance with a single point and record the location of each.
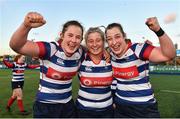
(95, 49)
(115, 48)
(72, 46)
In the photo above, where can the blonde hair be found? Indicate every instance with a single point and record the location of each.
(94, 30)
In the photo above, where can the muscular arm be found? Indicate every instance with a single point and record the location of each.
(21, 45)
(166, 51)
(19, 42)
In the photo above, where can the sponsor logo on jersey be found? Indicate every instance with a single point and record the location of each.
(87, 82)
(125, 73)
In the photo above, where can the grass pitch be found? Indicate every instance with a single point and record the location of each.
(166, 88)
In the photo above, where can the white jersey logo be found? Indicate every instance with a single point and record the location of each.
(87, 82)
(88, 68)
(60, 61)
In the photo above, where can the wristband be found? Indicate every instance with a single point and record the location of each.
(160, 32)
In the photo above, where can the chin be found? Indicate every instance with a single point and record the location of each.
(116, 52)
(70, 52)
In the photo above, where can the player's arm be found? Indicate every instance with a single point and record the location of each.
(7, 63)
(166, 51)
(33, 66)
(107, 55)
(19, 42)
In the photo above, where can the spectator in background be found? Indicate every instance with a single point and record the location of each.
(134, 97)
(17, 82)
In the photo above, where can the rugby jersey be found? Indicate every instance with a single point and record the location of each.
(18, 69)
(132, 74)
(56, 73)
(95, 82)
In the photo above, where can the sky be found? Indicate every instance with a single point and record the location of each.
(131, 14)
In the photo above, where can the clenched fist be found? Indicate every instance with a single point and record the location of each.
(153, 24)
(34, 20)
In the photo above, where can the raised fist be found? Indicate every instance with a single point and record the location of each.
(153, 24)
(34, 20)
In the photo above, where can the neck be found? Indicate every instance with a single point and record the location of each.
(19, 63)
(96, 58)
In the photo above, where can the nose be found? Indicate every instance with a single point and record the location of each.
(74, 39)
(113, 41)
(94, 43)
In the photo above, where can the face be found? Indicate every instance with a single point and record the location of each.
(116, 41)
(71, 39)
(95, 43)
(21, 59)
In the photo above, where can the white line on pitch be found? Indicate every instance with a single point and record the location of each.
(170, 91)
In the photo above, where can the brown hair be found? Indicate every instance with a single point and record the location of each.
(17, 57)
(119, 26)
(70, 23)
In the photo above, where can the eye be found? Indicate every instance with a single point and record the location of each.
(70, 35)
(98, 40)
(78, 37)
(89, 40)
(118, 36)
(109, 39)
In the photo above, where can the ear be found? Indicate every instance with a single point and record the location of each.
(60, 34)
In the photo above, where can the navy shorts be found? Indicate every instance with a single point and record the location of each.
(17, 84)
(137, 111)
(60, 110)
(95, 114)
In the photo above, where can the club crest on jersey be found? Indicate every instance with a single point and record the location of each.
(105, 67)
(88, 69)
(60, 61)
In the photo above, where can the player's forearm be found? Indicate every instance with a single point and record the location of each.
(33, 66)
(19, 38)
(8, 64)
(167, 46)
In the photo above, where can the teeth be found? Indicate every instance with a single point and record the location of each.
(115, 48)
(71, 46)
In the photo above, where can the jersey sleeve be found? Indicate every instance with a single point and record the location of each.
(45, 50)
(8, 64)
(144, 50)
(32, 66)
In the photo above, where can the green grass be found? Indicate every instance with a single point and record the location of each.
(166, 87)
(167, 92)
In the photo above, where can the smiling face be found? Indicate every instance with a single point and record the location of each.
(95, 43)
(71, 39)
(116, 41)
